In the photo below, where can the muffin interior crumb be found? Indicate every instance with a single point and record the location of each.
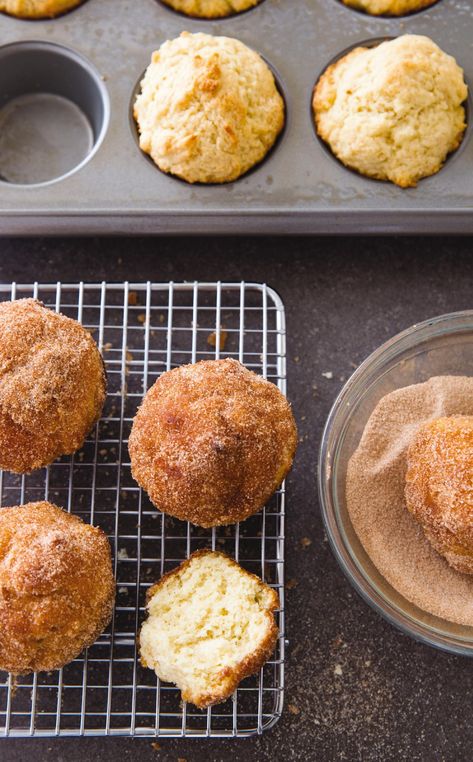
(204, 622)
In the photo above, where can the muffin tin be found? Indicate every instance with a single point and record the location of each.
(108, 186)
(144, 329)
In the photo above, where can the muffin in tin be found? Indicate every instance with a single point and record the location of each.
(37, 9)
(389, 7)
(209, 109)
(211, 9)
(394, 111)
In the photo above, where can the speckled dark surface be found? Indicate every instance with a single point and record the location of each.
(356, 688)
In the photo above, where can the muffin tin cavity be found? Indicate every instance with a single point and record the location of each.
(371, 43)
(54, 112)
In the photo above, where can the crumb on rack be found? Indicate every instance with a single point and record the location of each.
(212, 339)
(132, 298)
(306, 542)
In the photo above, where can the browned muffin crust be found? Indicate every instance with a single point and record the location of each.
(254, 661)
(439, 487)
(57, 588)
(52, 385)
(212, 442)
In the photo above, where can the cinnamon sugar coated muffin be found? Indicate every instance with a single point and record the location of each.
(439, 487)
(212, 442)
(392, 112)
(37, 9)
(208, 109)
(52, 385)
(210, 624)
(56, 587)
(211, 9)
(389, 7)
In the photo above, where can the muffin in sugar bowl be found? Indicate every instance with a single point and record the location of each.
(392, 112)
(389, 7)
(211, 9)
(209, 109)
(37, 9)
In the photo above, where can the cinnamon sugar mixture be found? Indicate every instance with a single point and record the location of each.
(376, 474)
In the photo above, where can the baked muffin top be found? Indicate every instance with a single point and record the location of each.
(211, 9)
(392, 112)
(211, 442)
(56, 587)
(208, 109)
(52, 385)
(37, 9)
(389, 7)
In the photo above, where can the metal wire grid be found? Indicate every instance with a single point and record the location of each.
(142, 331)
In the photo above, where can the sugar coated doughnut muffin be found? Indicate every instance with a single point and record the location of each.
(37, 9)
(210, 624)
(439, 487)
(211, 9)
(52, 385)
(392, 112)
(212, 442)
(56, 587)
(208, 109)
(389, 7)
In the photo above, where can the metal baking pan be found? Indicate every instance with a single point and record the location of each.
(300, 188)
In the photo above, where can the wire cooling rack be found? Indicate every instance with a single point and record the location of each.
(144, 329)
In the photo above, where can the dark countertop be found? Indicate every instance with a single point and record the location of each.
(394, 699)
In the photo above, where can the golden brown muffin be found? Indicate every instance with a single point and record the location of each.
(208, 109)
(56, 587)
(212, 442)
(52, 385)
(210, 624)
(389, 7)
(211, 9)
(439, 487)
(37, 9)
(392, 112)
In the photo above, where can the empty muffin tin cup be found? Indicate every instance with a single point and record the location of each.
(54, 112)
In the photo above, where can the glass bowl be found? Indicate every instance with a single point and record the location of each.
(437, 347)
